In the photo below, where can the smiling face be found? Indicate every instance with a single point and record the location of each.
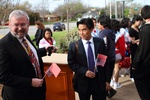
(84, 32)
(19, 26)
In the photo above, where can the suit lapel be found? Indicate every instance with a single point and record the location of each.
(81, 47)
(20, 48)
(82, 50)
(28, 37)
(96, 46)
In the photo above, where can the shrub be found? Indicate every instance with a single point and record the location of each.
(64, 42)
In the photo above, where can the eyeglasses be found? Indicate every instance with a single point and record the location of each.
(20, 25)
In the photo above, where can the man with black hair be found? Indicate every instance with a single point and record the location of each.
(108, 35)
(88, 80)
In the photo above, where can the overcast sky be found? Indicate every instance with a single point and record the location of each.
(94, 3)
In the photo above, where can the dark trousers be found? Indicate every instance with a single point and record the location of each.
(143, 88)
(94, 90)
(111, 66)
(132, 57)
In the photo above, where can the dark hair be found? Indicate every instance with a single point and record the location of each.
(125, 22)
(40, 24)
(136, 18)
(115, 25)
(105, 21)
(145, 12)
(93, 18)
(47, 29)
(86, 21)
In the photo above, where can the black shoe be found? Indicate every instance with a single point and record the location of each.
(107, 94)
(112, 92)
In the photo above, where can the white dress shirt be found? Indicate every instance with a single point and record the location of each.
(86, 47)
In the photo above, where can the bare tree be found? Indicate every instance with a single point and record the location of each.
(74, 6)
(6, 6)
(43, 8)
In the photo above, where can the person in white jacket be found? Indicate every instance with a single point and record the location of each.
(47, 40)
(95, 32)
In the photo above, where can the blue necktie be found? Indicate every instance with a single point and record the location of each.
(90, 57)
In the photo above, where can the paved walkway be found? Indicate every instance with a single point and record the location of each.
(127, 92)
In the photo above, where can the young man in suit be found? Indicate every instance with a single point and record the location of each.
(86, 81)
(20, 73)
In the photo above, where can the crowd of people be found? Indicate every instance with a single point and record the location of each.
(119, 41)
(126, 46)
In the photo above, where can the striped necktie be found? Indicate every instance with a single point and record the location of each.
(32, 58)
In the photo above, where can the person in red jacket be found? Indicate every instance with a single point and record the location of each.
(120, 52)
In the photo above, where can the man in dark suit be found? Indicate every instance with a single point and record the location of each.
(85, 81)
(21, 77)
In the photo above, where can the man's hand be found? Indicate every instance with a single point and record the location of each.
(37, 82)
(108, 87)
(90, 74)
(133, 68)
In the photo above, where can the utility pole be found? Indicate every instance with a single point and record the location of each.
(123, 2)
(116, 15)
(105, 7)
(67, 11)
(110, 11)
(123, 6)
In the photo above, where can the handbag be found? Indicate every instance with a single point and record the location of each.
(125, 62)
(118, 57)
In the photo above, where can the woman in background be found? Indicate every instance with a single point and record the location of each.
(39, 33)
(47, 40)
(134, 34)
(125, 24)
(120, 52)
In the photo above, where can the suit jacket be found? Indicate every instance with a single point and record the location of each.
(78, 63)
(16, 71)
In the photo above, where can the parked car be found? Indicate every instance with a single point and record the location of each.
(59, 26)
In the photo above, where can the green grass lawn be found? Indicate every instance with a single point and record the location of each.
(58, 35)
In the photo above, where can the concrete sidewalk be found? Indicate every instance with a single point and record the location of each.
(127, 92)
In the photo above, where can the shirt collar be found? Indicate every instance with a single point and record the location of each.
(85, 41)
(20, 39)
